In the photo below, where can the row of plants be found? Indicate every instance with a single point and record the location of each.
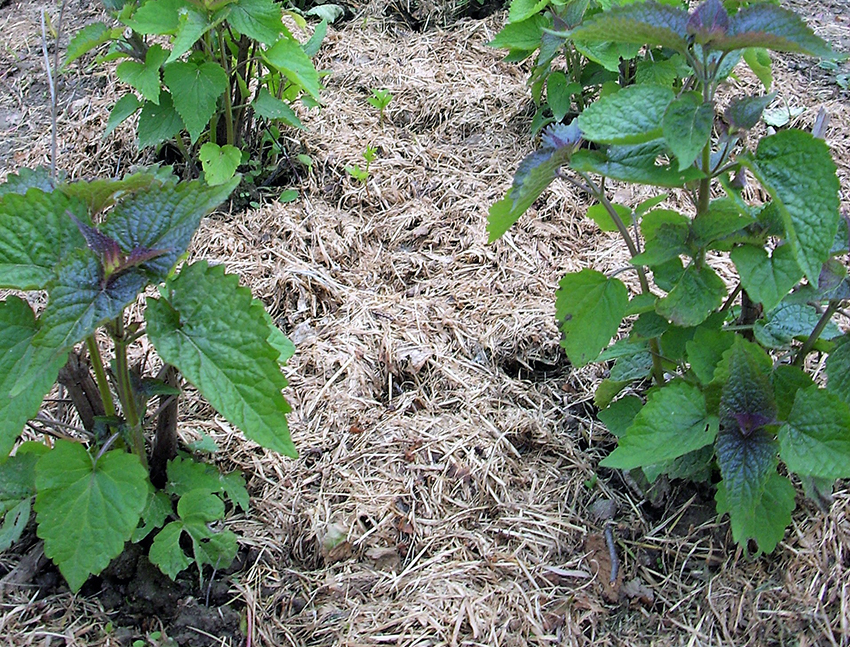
(710, 379)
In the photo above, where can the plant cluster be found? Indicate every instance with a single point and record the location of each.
(95, 248)
(225, 72)
(710, 377)
(573, 68)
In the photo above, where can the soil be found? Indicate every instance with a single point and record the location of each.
(447, 491)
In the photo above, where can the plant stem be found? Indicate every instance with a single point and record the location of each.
(100, 376)
(228, 105)
(126, 394)
(807, 346)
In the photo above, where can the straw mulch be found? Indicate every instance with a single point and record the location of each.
(447, 490)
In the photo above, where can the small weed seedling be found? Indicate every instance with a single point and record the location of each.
(362, 174)
(380, 99)
(710, 377)
(94, 248)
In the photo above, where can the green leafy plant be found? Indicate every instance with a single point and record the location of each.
(710, 376)
(573, 67)
(362, 174)
(225, 73)
(380, 99)
(95, 248)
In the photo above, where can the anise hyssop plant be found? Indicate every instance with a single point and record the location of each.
(730, 387)
(94, 248)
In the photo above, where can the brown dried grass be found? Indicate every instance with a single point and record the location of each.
(440, 497)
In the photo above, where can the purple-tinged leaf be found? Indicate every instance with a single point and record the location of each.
(106, 248)
(562, 136)
(708, 21)
(641, 23)
(745, 113)
(771, 27)
(141, 255)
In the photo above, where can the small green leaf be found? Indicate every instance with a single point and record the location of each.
(166, 553)
(634, 367)
(559, 93)
(607, 391)
(808, 202)
(815, 441)
(746, 402)
(787, 380)
(638, 23)
(745, 113)
(15, 521)
(35, 234)
(158, 16)
(260, 20)
(767, 279)
(693, 466)
(27, 373)
(599, 214)
(219, 162)
(289, 195)
(195, 89)
(123, 109)
(687, 125)
(191, 26)
(721, 221)
(314, 43)
(619, 415)
(521, 10)
(758, 60)
(265, 105)
(666, 233)
(158, 123)
(25, 179)
(788, 321)
(327, 12)
(631, 116)
(144, 77)
(87, 39)
(663, 72)
(765, 520)
(155, 514)
(186, 475)
(228, 358)
(524, 35)
(205, 444)
(636, 164)
(706, 350)
(697, 294)
(87, 509)
(838, 369)
(589, 308)
(289, 57)
(672, 423)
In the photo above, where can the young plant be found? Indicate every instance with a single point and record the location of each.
(362, 174)
(95, 248)
(380, 99)
(223, 73)
(715, 376)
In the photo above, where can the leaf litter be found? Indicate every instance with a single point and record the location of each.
(443, 493)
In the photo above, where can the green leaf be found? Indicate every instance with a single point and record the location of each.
(280, 342)
(260, 20)
(186, 475)
(80, 300)
(197, 509)
(195, 89)
(26, 179)
(158, 16)
(164, 217)
(763, 520)
(524, 35)
(314, 43)
(634, 367)
(327, 12)
(767, 279)
(771, 27)
(788, 321)
(101, 194)
(607, 391)
(144, 77)
(191, 26)
(787, 380)
(559, 94)
(619, 415)
(87, 39)
(687, 125)
(721, 221)
(288, 56)
(744, 113)
(607, 53)
(523, 9)
(659, 72)
(533, 175)
(693, 466)
(631, 116)
(166, 552)
(207, 329)
(697, 294)
(35, 234)
(706, 350)
(123, 109)
(648, 325)
(673, 422)
(758, 60)
(17, 476)
(746, 402)
(219, 162)
(633, 164)
(87, 509)
(666, 233)
(589, 308)
(808, 202)
(639, 23)
(155, 514)
(838, 369)
(265, 105)
(668, 274)
(27, 373)
(15, 521)
(815, 440)
(599, 214)
(158, 123)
